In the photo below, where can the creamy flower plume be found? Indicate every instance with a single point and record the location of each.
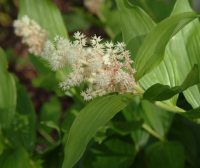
(32, 34)
(105, 67)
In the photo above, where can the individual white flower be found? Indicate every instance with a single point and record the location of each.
(120, 46)
(109, 45)
(32, 34)
(80, 39)
(96, 44)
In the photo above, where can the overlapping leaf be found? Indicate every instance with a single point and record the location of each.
(160, 92)
(151, 52)
(177, 57)
(183, 51)
(163, 73)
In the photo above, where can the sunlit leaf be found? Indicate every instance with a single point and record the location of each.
(171, 70)
(152, 50)
(159, 92)
(182, 50)
(143, 25)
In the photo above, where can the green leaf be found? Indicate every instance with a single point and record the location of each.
(159, 92)
(183, 50)
(118, 154)
(22, 131)
(51, 111)
(46, 14)
(151, 53)
(89, 120)
(7, 93)
(178, 53)
(108, 11)
(163, 73)
(132, 113)
(165, 155)
(193, 115)
(140, 138)
(53, 158)
(2, 142)
(127, 127)
(52, 125)
(157, 9)
(46, 78)
(133, 34)
(188, 135)
(17, 158)
(193, 94)
(158, 119)
(77, 19)
(4, 62)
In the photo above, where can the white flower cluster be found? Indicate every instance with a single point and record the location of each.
(105, 67)
(32, 34)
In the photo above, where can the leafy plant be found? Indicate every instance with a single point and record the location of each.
(157, 126)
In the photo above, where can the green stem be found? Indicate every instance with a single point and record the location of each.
(46, 136)
(153, 132)
(169, 107)
(163, 105)
(138, 89)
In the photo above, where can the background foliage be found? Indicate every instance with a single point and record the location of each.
(42, 127)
